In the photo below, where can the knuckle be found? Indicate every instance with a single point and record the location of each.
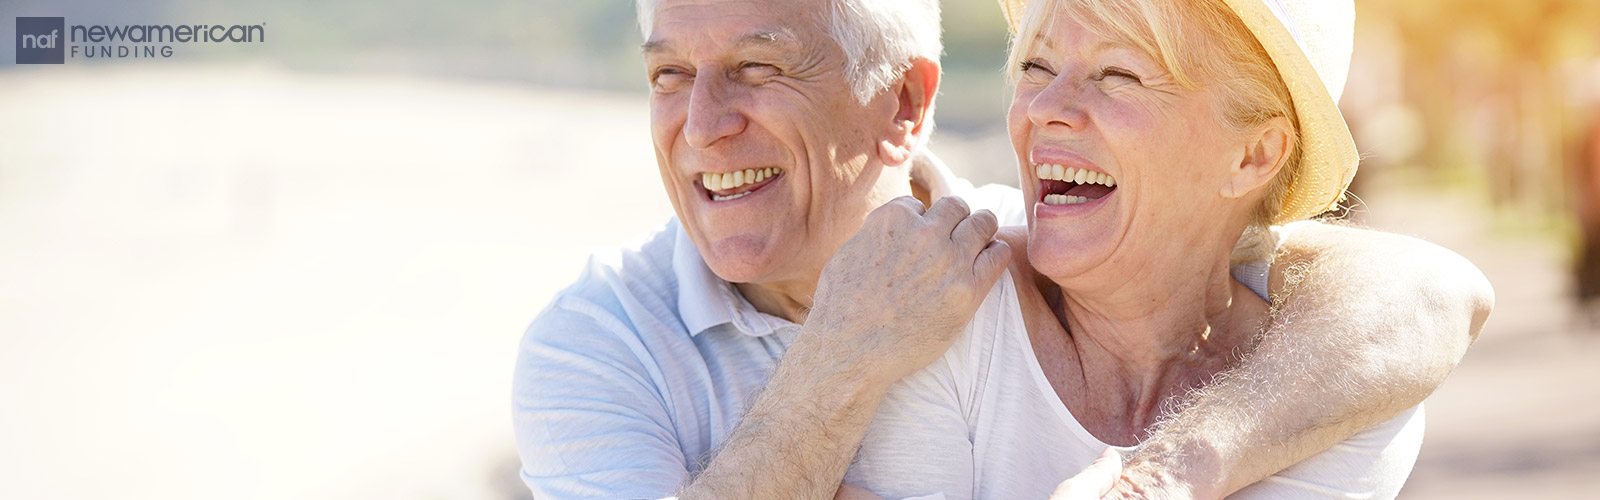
(956, 204)
(987, 221)
(909, 202)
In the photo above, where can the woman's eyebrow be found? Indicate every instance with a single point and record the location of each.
(1040, 37)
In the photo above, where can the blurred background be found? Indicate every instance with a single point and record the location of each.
(300, 268)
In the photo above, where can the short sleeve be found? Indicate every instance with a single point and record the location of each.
(920, 445)
(589, 421)
(1373, 464)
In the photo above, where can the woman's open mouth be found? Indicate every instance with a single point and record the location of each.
(737, 184)
(1060, 185)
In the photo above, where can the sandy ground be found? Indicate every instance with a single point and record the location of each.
(243, 283)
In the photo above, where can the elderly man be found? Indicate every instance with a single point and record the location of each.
(706, 361)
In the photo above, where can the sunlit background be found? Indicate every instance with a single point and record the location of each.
(300, 268)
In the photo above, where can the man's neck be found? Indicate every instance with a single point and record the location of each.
(790, 300)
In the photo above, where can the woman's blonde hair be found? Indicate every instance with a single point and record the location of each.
(1200, 43)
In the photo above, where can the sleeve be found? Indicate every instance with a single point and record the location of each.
(589, 421)
(1373, 464)
(917, 446)
(920, 444)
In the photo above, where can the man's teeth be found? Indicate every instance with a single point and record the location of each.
(730, 180)
(1070, 174)
(1062, 199)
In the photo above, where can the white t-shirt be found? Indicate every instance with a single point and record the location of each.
(983, 422)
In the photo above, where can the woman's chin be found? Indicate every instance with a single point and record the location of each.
(1063, 255)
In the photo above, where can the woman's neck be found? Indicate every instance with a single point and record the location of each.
(1144, 339)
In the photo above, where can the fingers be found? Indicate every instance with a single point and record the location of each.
(991, 262)
(977, 229)
(1105, 471)
(1095, 481)
(908, 203)
(947, 212)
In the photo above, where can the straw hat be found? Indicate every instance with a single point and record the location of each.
(1310, 43)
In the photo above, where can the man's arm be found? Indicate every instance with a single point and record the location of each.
(892, 300)
(1370, 324)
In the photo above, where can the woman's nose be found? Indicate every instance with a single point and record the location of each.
(1058, 105)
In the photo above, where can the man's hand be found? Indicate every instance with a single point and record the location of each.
(889, 302)
(897, 294)
(1094, 482)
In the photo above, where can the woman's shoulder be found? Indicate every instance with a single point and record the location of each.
(1021, 272)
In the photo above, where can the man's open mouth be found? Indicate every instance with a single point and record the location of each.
(1059, 185)
(737, 184)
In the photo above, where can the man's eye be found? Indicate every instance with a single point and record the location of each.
(668, 79)
(757, 70)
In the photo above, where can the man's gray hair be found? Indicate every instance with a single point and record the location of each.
(879, 37)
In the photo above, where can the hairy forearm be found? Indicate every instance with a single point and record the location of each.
(1369, 325)
(799, 437)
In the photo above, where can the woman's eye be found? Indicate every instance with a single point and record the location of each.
(1114, 72)
(1027, 66)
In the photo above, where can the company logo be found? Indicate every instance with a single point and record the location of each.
(41, 40)
(48, 40)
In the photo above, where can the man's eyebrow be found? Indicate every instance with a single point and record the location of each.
(655, 46)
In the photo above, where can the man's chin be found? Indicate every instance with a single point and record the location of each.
(741, 259)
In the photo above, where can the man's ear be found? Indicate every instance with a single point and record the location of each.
(1264, 155)
(913, 114)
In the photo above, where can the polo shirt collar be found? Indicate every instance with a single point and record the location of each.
(706, 301)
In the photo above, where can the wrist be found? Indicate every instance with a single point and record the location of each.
(830, 373)
(1172, 476)
(844, 351)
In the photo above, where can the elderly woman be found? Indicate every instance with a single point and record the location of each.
(1159, 141)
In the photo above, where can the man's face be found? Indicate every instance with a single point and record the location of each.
(768, 157)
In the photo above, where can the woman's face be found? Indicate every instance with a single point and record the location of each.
(1156, 157)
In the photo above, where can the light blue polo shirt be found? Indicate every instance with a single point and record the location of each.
(631, 376)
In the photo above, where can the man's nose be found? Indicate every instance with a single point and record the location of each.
(712, 113)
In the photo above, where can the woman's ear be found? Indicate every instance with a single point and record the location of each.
(1265, 154)
(913, 111)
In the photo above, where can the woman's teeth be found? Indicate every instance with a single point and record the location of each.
(1070, 174)
(1062, 199)
(730, 180)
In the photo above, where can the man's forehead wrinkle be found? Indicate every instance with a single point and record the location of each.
(778, 39)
